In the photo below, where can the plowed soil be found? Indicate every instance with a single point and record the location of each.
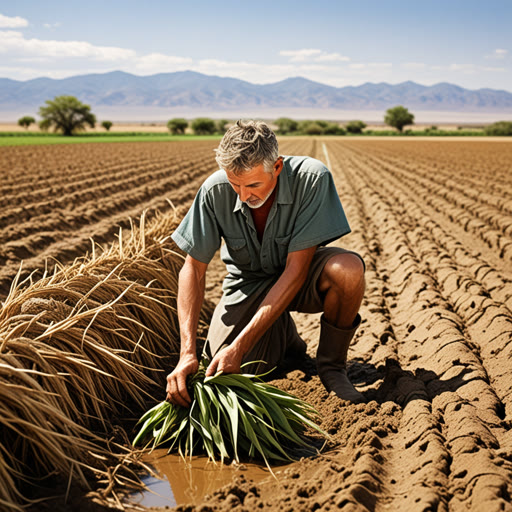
(433, 221)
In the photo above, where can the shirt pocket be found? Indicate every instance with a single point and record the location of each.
(237, 251)
(282, 244)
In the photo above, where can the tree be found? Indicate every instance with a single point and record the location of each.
(203, 126)
(107, 125)
(286, 125)
(323, 124)
(355, 126)
(178, 125)
(66, 114)
(26, 121)
(333, 129)
(311, 128)
(221, 126)
(499, 128)
(398, 117)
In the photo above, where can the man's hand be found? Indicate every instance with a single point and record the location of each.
(228, 360)
(177, 392)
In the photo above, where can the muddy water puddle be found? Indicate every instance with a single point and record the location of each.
(188, 482)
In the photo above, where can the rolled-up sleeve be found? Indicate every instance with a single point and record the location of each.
(321, 218)
(198, 232)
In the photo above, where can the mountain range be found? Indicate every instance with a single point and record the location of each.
(195, 91)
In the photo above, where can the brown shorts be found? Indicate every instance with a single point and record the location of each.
(230, 319)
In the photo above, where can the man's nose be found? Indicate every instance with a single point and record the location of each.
(244, 194)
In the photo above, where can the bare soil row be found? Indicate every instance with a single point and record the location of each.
(57, 198)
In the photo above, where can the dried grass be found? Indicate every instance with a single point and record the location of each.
(79, 349)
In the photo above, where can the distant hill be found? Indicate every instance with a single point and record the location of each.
(195, 90)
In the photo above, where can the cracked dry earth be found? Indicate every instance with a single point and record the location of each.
(433, 220)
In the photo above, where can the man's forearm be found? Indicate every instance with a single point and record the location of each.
(273, 305)
(191, 286)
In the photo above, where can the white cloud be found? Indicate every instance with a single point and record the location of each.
(224, 64)
(156, 61)
(300, 55)
(332, 57)
(12, 22)
(14, 43)
(493, 69)
(57, 24)
(312, 54)
(464, 68)
(498, 54)
(371, 65)
(414, 65)
(382, 65)
(468, 69)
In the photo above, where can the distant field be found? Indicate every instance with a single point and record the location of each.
(149, 127)
(31, 139)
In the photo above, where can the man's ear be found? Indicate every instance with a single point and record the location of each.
(278, 166)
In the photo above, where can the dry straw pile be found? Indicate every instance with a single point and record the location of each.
(80, 349)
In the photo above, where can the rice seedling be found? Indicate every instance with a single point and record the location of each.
(231, 416)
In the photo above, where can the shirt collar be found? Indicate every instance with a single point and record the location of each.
(284, 195)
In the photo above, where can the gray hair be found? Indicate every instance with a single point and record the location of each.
(246, 145)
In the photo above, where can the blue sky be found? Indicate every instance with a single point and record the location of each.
(340, 43)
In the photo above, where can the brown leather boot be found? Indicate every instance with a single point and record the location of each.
(331, 360)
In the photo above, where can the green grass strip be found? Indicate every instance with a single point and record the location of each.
(16, 139)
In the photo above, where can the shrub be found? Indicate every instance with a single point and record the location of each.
(355, 126)
(26, 121)
(221, 126)
(333, 129)
(500, 128)
(311, 128)
(286, 125)
(203, 126)
(107, 125)
(178, 125)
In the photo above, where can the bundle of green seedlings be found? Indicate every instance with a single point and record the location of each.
(231, 416)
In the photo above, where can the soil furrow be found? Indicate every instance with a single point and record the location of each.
(476, 190)
(67, 245)
(399, 386)
(470, 222)
(90, 206)
(451, 343)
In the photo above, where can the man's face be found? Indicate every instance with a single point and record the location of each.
(254, 187)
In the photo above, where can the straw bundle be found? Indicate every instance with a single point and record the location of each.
(79, 349)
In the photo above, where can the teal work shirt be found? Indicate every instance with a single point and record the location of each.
(306, 212)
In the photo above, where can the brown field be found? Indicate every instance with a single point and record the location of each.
(161, 127)
(433, 220)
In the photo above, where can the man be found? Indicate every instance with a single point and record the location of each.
(274, 214)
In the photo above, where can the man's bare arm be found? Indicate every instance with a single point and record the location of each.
(191, 285)
(276, 301)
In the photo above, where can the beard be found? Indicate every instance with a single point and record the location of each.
(259, 202)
